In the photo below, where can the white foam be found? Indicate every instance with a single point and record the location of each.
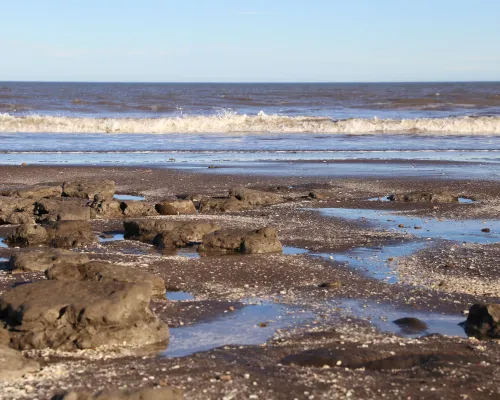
(261, 123)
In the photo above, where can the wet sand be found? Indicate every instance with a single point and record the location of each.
(350, 320)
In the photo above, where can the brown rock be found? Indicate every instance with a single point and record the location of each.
(424, 197)
(105, 272)
(137, 209)
(40, 260)
(263, 240)
(61, 210)
(39, 191)
(13, 365)
(68, 315)
(164, 393)
(85, 189)
(178, 207)
(484, 320)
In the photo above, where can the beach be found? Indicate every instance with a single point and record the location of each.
(385, 207)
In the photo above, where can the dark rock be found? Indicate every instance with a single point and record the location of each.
(164, 393)
(106, 208)
(331, 285)
(486, 230)
(186, 232)
(61, 210)
(105, 272)
(424, 197)
(39, 191)
(263, 240)
(63, 234)
(14, 365)
(40, 260)
(320, 195)
(68, 315)
(85, 189)
(483, 320)
(137, 209)
(179, 207)
(411, 325)
(240, 199)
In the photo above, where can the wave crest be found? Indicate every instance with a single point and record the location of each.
(261, 123)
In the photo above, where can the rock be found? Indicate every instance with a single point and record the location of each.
(320, 195)
(240, 199)
(86, 189)
(13, 210)
(68, 315)
(186, 232)
(263, 240)
(56, 234)
(131, 208)
(255, 197)
(13, 365)
(29, 235)
(486, 230)
(411, 325)
(178, 207)
(106, 209)
(483, 321)
(40, 260)
(164, 393)
(39, 191)
(331, 285)
(105, 272)
(61, 210)
(424, 197)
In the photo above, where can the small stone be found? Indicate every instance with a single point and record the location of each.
(486, 230)
(262, 324)
(401, 226)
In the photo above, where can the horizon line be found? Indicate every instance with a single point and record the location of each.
(250, 82)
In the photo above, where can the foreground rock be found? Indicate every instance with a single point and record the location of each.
(178, 207)
(484, 321)
(86, 189)
(167, 233)
(240, 199)
(133, 209)
(63, 234)
(15, 210)
(49, 210)
(260, 241)
(69, 315)
(145, 394)
(13, 365)
(40, 260)
(424, 197)
(106, 272)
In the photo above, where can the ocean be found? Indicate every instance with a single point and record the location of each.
(272, 128)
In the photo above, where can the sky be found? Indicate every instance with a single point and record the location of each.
(250, 41)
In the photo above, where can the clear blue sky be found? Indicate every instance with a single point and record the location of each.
(259, 40)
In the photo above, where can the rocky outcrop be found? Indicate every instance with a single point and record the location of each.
(259, 241)
(105, 272)
(177, 207)
(165, 393)
(39, 191)
(133, 209)
(240, 199)
(424, 197)
(16, 210)
(61, 210)
(106, 209)
(40, 260)
(484, 321)
(62, 234)
(68, 315)
(86, 189)
(183, 232)
(13, 365)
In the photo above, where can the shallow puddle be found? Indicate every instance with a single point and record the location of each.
(252, 325)
(112, 237)
(125, 197)
(383, 316)
(377, 262)
(3, 244)
(427, 228)
(179, 296)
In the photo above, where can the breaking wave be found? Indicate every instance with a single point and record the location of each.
(261, 123)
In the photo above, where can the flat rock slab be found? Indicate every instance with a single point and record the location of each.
(258, 241)
(240, 199)
(86, 189)
(13, 365)
(62, 209)
(145, 394)
(40, 260)
(106, 272)
(186, 232)
(177, 207)
(38, 191)
(67, 315)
